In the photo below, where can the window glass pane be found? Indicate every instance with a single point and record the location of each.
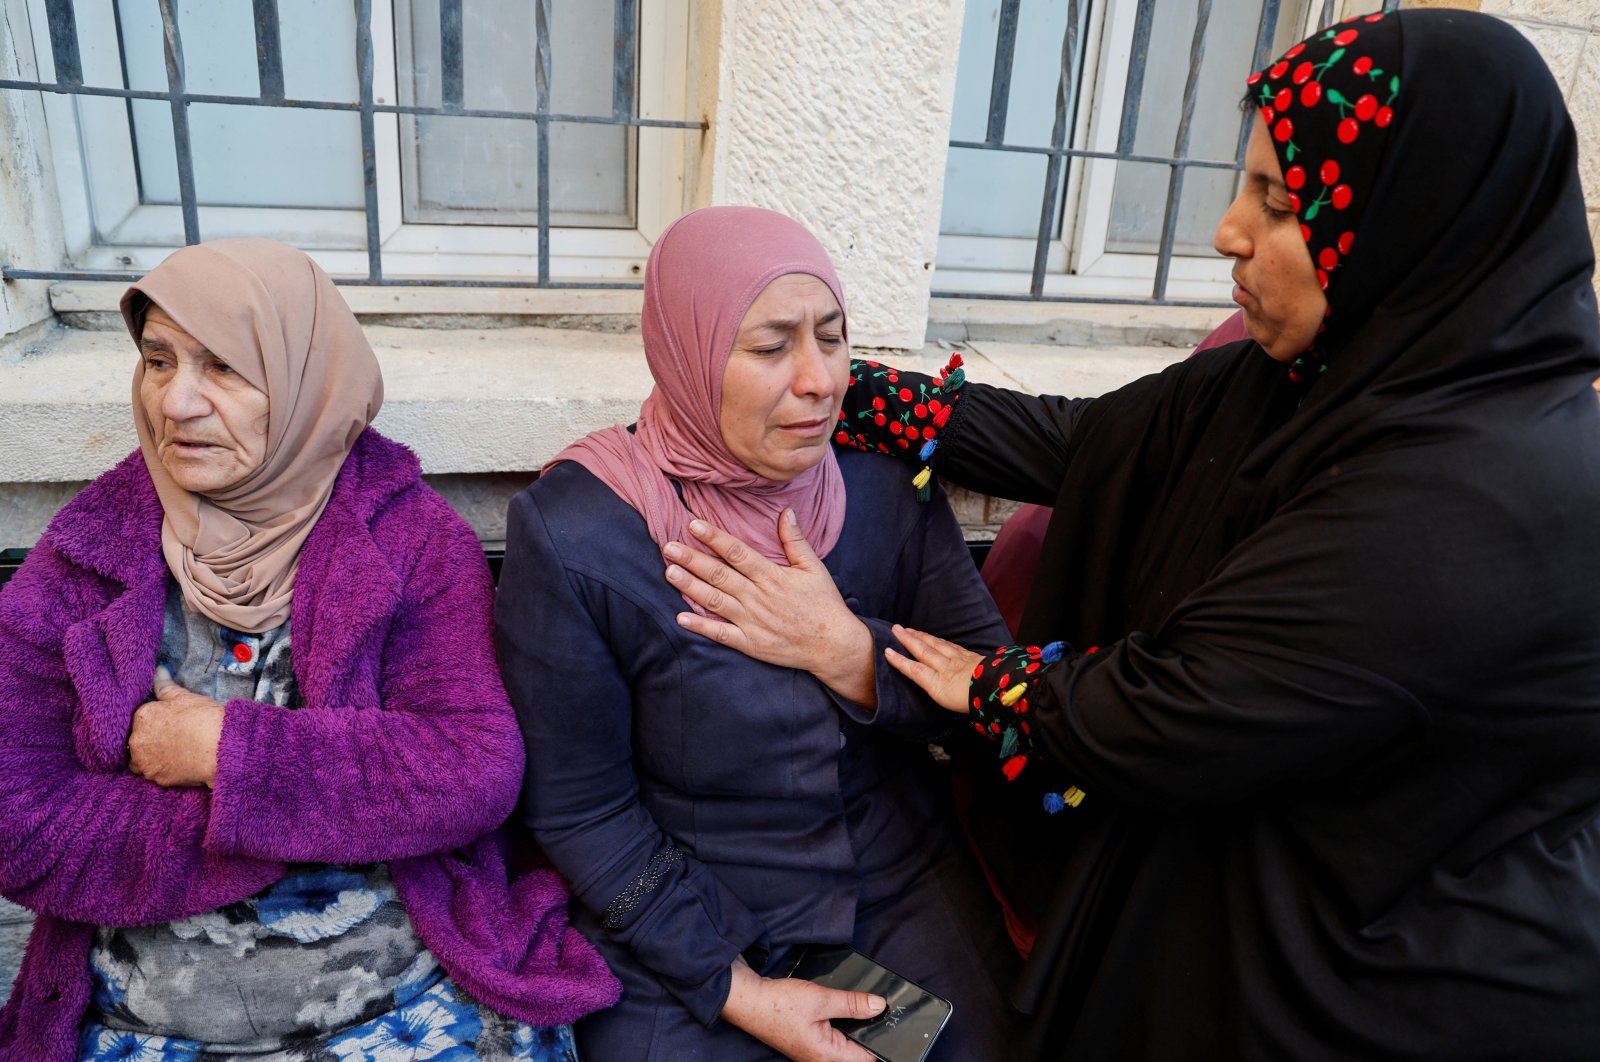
(1000, 193)
(485, 169)
(1139, 200)
(248, 156)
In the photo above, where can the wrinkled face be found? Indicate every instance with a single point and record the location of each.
(786, 378)
(1274, 277)
(210, 423)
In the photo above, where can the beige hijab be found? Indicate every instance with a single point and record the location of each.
(277, 320)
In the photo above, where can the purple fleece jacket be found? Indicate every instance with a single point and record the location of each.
(407, 751)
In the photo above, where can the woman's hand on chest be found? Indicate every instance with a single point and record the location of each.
(175, 737)
(788, 616)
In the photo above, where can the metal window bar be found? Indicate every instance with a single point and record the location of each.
(269, 63)
(1058, 152)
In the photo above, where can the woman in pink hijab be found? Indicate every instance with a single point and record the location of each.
(721, 790)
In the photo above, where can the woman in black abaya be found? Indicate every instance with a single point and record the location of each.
(1315, 772)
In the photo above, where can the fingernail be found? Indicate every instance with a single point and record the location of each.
(876, 1004)
(789, 518)
(683, 619)
(674, 572)
(673, 550)
(697, 526)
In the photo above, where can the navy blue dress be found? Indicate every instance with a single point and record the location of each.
(705, 805)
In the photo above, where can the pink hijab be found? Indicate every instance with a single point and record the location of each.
(274, 316)
(703, 274)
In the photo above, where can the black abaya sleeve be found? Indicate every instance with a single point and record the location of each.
(1010, 444)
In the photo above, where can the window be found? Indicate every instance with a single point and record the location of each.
(454, 195)
(1099, 231)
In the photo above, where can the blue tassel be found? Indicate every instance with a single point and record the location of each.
(927, 449)
(1053, 803)
(1052, 653)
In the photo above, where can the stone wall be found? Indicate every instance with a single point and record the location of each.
(838, 114)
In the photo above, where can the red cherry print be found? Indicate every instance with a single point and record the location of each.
(934, 405)
(1349, 129)
(1294, 203)
(1305, 232)
(1296, 50)
(977, 670)
(1283, 130)
(1374, 18)
(1329, 172)
(878, 402)
(1328, 258)
(1296, 177)
(1341, 197)
(843, 438)
(1253, 78)
(1322, 278)
(1361, 66)
(1346, 37)
(880, 420)
(896, 427)
(1345, 241)
(1311, 94)
(241, 653)
(1366, 107)
(903, 444)
(1303, 72)
(1268, 114)
(1384, 116)
(1005, 680)
(905, 394)
(1283, 99)
(1277, 69)
(894, 377)
(920, 410)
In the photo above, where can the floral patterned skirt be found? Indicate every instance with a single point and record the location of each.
(441, 1025)
(322, 966)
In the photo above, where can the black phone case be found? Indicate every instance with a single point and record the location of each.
(908, 1026)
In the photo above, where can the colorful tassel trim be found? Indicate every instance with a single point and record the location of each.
(945, 385)
(1054, 802)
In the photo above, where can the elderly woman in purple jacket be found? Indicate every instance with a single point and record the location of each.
(255, 749)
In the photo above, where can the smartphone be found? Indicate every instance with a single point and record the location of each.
(908, 1026)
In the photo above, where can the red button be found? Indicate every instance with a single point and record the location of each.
(241, 653)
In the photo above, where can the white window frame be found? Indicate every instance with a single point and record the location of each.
(336, 238)
(1077, 263)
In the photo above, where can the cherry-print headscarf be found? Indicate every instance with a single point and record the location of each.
(1330, 104)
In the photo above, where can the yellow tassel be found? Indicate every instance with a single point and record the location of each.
(1014, 694)
(1073, 796)
(920, 480)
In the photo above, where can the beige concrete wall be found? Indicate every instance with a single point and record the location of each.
(838, 113)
